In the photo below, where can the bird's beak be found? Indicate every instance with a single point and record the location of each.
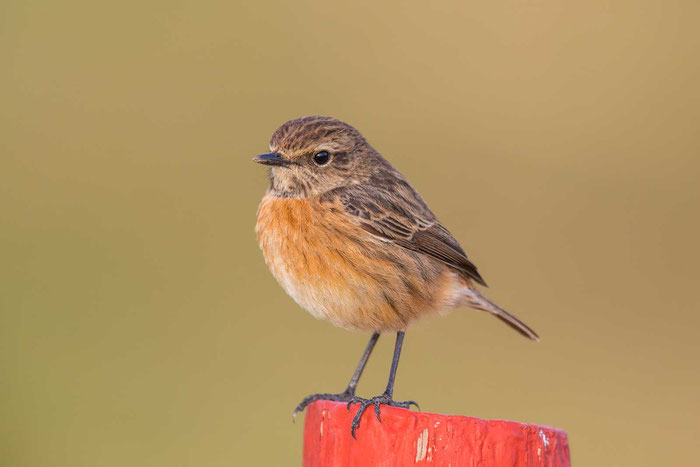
(272, 158)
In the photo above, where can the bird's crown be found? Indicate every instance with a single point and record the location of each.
(307, 134)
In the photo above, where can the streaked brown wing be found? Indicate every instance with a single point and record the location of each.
(401, 216)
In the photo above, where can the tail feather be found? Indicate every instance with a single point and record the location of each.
(475, 300)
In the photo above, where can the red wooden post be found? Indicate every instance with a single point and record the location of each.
(407, 438)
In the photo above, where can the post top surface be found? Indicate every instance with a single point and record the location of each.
(407, 437)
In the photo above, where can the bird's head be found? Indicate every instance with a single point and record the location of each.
(312, 155)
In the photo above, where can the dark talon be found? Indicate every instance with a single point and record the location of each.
(342, 397)
(376, 411)
(354, 400)
(377, 402)
(356, 419)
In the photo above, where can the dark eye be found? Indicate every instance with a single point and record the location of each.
(322, 158)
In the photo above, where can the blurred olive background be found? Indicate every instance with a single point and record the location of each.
(557, 140)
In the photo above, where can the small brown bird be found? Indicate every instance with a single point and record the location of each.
(352, 242)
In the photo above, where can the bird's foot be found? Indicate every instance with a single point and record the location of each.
(377, 401)
(346, 396)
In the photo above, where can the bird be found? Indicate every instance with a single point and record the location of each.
(352, 242)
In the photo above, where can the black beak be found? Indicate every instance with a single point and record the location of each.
(272, 158)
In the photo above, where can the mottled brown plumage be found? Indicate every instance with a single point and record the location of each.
(350, 239)
(365, 233)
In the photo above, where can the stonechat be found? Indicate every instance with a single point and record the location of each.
(351, 241)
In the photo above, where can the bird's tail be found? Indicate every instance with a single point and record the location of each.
(473, 299)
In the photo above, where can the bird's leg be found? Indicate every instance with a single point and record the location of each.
(386, 397)
(352, 385)
(349, 394)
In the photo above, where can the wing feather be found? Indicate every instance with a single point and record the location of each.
(393, 211)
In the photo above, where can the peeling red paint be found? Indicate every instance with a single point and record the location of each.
(416, 438)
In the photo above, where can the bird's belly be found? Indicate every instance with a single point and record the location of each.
(336, 272)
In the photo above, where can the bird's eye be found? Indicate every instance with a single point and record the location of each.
(322, 158)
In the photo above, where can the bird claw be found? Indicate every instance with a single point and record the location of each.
(354, 400)
(346, 396)
(377, 402)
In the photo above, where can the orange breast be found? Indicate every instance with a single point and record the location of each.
(337, 271)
